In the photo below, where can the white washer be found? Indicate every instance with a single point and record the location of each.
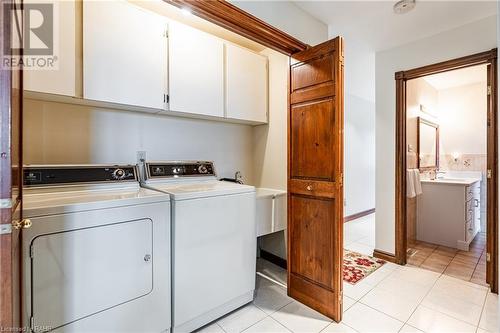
(213, 241)
(96, 258)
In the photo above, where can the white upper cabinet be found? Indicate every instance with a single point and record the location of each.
(196, 71)
(62, 79)
(124, 54)
(246, 85)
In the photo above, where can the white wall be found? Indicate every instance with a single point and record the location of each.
(462, 121)
(65, 133)
(289, 18)
(468, 39)
(359, 126)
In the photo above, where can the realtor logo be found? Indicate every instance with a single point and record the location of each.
(33, 32)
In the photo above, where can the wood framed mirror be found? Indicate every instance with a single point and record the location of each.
(427, 144)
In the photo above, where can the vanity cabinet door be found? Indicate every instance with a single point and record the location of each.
(196, 71)
(60, 80)
(124, 54)
(246, 85)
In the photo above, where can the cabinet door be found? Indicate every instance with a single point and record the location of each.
(246, 84)
(124, 54)
(62, 79)
(196, 71)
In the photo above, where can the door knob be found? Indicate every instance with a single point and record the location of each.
(309, 188)
(22, 224)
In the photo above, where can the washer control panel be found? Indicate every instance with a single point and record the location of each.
(180, 169)
(56, 175)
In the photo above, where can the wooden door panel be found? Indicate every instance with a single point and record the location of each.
(312, 140)
(315, 186)
(312, 72)
(311, 230)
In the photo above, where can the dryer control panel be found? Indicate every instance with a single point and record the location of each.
(180, 169)
(34, 175)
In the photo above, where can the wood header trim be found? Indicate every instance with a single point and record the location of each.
(229, 16)
(445, 66)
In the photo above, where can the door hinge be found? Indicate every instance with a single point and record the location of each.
(489, 90)
(165, 33)
(341, 179)
(341, 297)
(166, 98)
(488, 257)
(488, 174)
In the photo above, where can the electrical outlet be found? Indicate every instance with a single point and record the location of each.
(141, 156)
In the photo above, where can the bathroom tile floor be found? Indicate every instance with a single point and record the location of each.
(392, 299)
(465, 265)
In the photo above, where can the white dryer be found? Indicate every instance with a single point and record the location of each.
(213, 241)
(97, 256)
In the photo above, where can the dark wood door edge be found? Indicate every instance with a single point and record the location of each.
(384, 256)
(488, 57)
(236, 20)
(359, 215)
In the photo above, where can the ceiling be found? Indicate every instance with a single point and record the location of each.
(375, 24)
(456, 78)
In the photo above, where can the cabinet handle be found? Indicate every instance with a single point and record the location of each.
(476, 203)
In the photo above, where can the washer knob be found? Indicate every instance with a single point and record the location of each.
(202, 169)
(118, 174)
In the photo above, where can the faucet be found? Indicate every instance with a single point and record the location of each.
(238, 177)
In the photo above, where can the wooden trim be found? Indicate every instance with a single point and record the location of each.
(272, 258)
(421, 120)
(384, 256)
(488, 57)
(236, 20)
(449, 65)
(359, 215)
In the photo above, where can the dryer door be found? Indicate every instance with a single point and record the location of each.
(81, 272)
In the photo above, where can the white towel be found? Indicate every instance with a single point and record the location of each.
(410, 184)
(418, 184)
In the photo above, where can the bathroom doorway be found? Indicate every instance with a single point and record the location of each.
(446, 181)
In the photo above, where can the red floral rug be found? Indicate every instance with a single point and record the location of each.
(358, 266)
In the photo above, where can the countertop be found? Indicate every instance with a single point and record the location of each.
(452, 181)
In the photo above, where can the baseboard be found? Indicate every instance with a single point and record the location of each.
(278, 261)
(384, 256)
(358, 215)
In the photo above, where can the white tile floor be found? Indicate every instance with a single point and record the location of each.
(392, 299)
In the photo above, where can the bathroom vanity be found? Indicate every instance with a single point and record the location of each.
(449, 212)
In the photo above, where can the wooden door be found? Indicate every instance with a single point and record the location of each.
(315, 177)
(10, 174)
(492, 207)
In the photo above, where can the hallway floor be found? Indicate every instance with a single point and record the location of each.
(392, 299)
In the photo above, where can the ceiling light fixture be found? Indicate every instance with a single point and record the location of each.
(404, 6)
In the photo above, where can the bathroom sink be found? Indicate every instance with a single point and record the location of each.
(452, 180)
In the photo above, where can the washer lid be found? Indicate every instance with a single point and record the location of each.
(201, 189)
(70, 199)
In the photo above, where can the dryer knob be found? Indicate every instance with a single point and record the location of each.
(202, 169)
(118, 174)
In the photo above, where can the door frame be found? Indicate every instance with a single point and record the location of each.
(488, 58)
